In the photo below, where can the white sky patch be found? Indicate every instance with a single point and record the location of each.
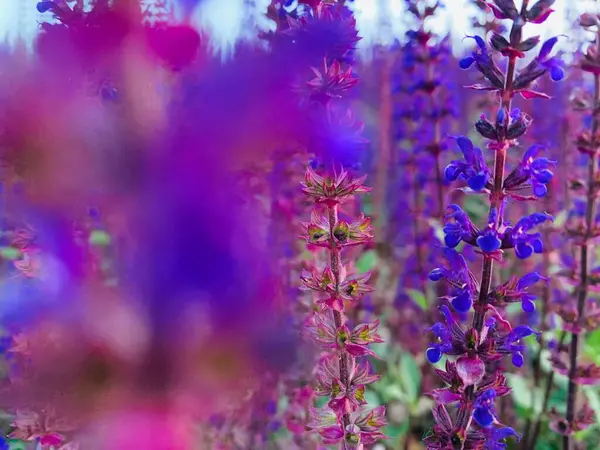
(379, 21)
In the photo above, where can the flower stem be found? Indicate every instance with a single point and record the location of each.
(537, 362)
(338, 318)
(436, 140)
(416, 211)
(538, 425)
(584, 259)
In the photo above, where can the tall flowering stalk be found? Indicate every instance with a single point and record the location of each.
(579, 312)
(343, 373)
(475, 378)
(423, 112)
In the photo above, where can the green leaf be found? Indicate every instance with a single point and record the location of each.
(560, 219)
(410, 377)
(475, 207)
(396, 431)
(367, 261)
(525, 395)
(14, 444)
(593, 397)
(418, 297)
(10, 253)
(372, 398)
(592, 345)
(99, 238)
(392, 392)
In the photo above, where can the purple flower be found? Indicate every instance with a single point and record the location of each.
(45, 6)
(480, 55)
(450, 338)
(511, 343)
(527, 243)
(532, 170)
(553, 65)
(459, 278)
(473, 169)
(489, 240)
(458, 227)
(484, 412)
(495, 438)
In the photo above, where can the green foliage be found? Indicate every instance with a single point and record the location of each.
(14, 444)
(367, 261)
(10, 253)
(99, 238)
(476, 207)
(419, 298)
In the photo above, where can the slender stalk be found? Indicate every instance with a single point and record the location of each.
(417, 208)
(334, 260)
(549, 383)
(537, 362)
(385, 147)
(582, 289)
(436, 141)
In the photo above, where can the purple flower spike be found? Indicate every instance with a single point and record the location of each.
(475, 370)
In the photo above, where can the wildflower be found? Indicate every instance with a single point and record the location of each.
(450, 338)
(489, 239)
(484, 64)
(331, 82)
(362, 430)
(496, 437)
(585, 373)
(458, 227)
(446, 436)
(510, 344)
(332, 189)
(541, 65)
(516, 290)
(533, 170)
(473, 169)
(354, 342)
(460, 279)
(484, 412)
(525, 243)
(344, 398)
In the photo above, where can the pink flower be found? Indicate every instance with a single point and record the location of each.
(332, 189)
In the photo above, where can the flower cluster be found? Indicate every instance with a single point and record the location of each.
(474, 370)
(343, 372)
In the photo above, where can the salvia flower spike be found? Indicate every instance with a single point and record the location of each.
(343, 373)
(474, 374)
